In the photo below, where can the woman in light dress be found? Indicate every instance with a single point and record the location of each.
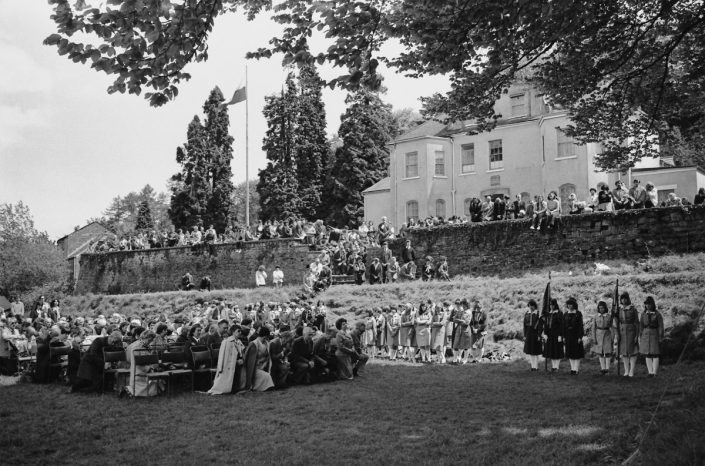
(422, 327)
(439, 324)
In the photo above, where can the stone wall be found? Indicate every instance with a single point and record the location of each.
(496, 248)
(228, 265)
(508, 247)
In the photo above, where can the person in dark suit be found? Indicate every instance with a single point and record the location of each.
(90, 371)
(375, 271)
(302, 359)
(408, 254)
(359, 359)
(385, 257)
(278, 352)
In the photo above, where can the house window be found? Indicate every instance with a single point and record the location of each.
(566, 144)
(494, 180)
(518, 105)
(440, 208)
(440, 163)
(496, 154)
(563, 192)
(412, 165)
(467, 158)
(412, 210)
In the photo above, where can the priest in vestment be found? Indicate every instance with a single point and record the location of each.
(229, 376)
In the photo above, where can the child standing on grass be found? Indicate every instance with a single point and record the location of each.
(278, 277)
(261, 276)
(533, 327)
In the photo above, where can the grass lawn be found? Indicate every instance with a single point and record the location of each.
(498, 413)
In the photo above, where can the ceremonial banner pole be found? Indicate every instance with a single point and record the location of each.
(615, 305)
(546, 312)
(247, 157)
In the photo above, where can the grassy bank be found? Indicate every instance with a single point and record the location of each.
(498, 414)
(676, 282)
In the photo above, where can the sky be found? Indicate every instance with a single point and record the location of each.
(67, 147)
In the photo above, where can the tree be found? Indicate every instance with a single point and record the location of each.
(202, 190)
(189, 196)
(220, 146)
(29, 259)
(365, 129)
(406, 119)
(144, 217)
(278, 186)
(621, 68)
(122, 214)
(311, 142)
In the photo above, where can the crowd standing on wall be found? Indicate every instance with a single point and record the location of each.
(543, 211)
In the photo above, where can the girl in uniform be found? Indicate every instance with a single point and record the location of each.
(573, 333)
(650, 335)
(602, 336)
(628, 320)
(439, 324)
(533, 327)
(553, 335)
(422, 326)
(393, 325)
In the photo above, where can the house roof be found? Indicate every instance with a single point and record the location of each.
(427, 128)
(382, 185)
(85, 226)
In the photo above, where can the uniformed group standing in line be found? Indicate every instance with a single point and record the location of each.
(627, 333)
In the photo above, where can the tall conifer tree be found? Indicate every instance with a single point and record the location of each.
(202, 191)
(190, 186)
(363, 159)
(220, 147)
(311, 143)
(278, 184)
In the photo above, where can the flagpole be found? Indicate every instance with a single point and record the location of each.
(247, 154)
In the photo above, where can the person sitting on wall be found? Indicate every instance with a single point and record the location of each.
(576, 207)
(187, 282)
(487, 209)
(620, 197)
(637, 194)
(499, 208)
(475, 210)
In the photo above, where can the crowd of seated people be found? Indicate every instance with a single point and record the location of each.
(262, 346)
(313, 233)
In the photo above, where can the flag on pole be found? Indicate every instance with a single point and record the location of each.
(546, 305)
(240, 95)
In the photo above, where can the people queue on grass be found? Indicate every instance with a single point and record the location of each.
(625, 334)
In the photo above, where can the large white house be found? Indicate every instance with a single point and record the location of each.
(436, 169)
